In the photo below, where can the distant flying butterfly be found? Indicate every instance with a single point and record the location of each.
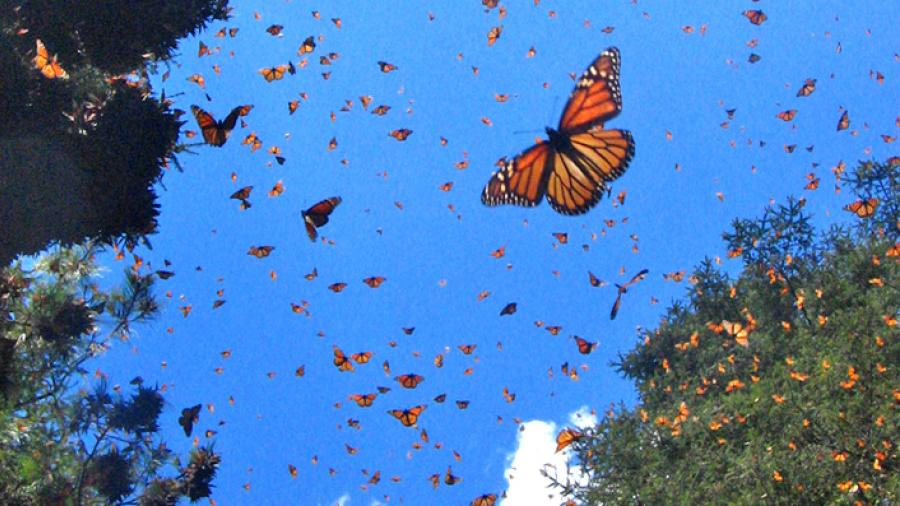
(215, 133)
(622, 290)
(408, 417)
(317, 215)
(260, 251)
(484, 500)
(573, 167)
(274, 73)
(374, 281)
(585, 347)
(409, 380)
(844, 121)
(808, 87)
(189, 416)
(386, 67)
(756, 17)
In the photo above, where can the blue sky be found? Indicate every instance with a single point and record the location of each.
(689, 179)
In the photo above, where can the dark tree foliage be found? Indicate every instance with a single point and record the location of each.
(79, 156)
(67, 440)
(779, 386)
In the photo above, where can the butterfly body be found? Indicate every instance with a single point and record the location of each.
(573, 166)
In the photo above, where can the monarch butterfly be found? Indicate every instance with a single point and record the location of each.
(494, 34)
(449, 478)
(566, 437)
(484, 500)
(585, 347)
(408, 417)
(400, 134)
(756, 17)
(317, 215)
(440, 398)
(738, 331)
(462, 404)
(275, 30)
(242, 194)
(844, 122)
(337, 287)
(189, 416)
(409, 380)
(362, 357)
(509, 309)
(49, 67)
(274, 73)
(787, 115)
(594, 280)
(863, 208)
(573, 166)
(623, 289)
(808, 87)
(341, 361)
(467, 349)
(307, 47)
(386, 67)
(374, 281)
(260, 251)
(363, 400)
(562, 237)
(215, 133)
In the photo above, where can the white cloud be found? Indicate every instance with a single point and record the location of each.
(536, 451)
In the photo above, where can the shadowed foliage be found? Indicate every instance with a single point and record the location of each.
(79, 155)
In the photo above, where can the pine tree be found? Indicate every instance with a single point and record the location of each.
(779, 386)
(65, 439)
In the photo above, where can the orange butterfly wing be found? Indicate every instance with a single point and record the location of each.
(566, 437)
(597, 96)
(520, 182)
(578, 179)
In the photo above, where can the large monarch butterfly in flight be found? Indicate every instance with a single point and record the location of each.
(573, 166)
(215, 133)
(317, 216)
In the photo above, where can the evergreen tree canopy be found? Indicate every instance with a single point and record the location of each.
(779, 386)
